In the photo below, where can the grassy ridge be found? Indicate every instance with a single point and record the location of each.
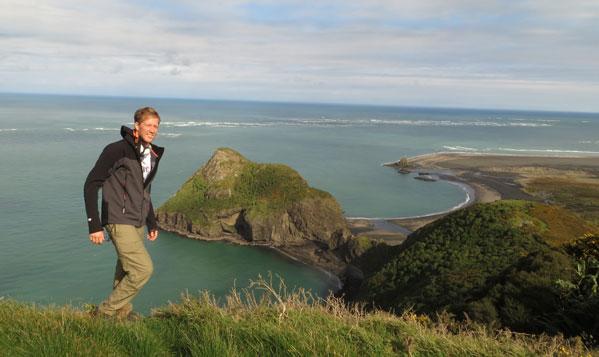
(279, 324)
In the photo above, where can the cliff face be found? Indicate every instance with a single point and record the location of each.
(269, 204)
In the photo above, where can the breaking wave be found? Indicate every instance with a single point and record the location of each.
(504, 149)
(91, 129)
(330, 122)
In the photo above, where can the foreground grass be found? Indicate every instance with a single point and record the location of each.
(277, 324)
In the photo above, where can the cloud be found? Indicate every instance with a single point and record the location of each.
(454, 53)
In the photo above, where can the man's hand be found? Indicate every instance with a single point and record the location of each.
(97, 237)
(152, 235)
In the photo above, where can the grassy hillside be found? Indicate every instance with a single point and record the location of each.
(498, 263)
(279, 325)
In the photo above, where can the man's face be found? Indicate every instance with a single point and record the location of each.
(148, 128)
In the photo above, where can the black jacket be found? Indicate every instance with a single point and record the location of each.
(125, 195)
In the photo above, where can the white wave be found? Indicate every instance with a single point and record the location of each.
(332, 122)
(459, 148)
(170, 135)
(91, 129)
(213, 124)
(534, 120)
(546, 120)
(554, 151)
(8, 130)
(459, 123)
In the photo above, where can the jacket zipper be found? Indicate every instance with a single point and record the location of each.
(143, 198)
(125, 193)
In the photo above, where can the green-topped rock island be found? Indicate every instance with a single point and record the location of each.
(232, 198)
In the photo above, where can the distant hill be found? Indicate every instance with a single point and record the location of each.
(499, 263)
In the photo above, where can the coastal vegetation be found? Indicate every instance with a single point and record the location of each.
(506, 264)
(278, 323)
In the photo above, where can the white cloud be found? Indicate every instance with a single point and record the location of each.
(453, 53)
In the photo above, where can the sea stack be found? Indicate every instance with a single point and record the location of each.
(231, 197)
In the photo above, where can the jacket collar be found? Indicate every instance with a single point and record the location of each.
(127, 134)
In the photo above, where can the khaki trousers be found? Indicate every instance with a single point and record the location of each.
(133, 268)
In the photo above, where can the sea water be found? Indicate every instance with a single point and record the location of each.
(49, 144)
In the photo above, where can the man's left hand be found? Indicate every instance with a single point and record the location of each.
(152, 235)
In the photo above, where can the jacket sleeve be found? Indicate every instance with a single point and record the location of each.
(96, 177)
(151, 219)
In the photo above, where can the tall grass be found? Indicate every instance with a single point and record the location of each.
(263, 319)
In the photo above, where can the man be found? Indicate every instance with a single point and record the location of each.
(124, 171)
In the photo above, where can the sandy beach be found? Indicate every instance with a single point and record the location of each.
(487, 178)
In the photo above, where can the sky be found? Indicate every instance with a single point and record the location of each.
(503, 54)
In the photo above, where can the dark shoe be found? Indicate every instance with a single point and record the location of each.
(97, 314)
(124, 311)
(134, 316)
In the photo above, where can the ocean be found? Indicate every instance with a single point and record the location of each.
(51, 142)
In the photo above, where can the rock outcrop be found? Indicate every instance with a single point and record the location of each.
(233, 198)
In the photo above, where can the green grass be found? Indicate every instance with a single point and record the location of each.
(278, 324)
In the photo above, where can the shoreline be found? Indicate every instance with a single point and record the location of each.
(470, 199)
(474, 194)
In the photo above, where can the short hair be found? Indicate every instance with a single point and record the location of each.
(142, 113)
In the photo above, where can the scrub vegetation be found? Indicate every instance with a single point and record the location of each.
(580, 196)
(510, 264)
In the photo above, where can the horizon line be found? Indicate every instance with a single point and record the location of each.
(302, 102)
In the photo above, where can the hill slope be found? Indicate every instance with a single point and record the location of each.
(497, 262)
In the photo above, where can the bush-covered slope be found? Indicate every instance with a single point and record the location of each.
(497, 262)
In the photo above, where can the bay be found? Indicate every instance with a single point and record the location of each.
(51, 142)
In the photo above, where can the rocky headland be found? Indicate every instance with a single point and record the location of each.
(234, 199)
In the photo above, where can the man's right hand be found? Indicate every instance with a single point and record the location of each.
(97, 237)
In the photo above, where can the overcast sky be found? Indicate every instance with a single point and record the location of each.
(443, 53)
